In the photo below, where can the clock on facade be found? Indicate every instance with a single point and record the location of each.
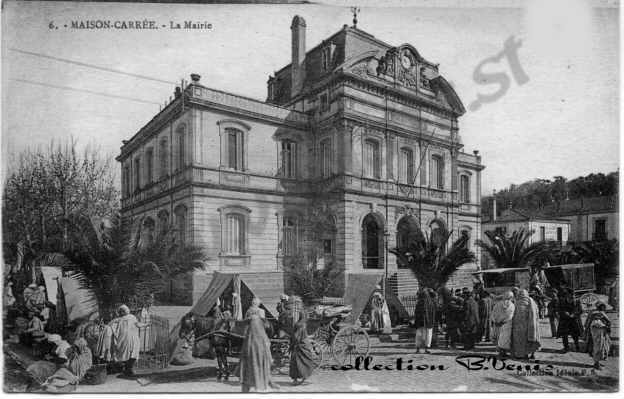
(406, 61)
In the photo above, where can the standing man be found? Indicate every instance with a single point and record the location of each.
(485, 310)
(570, 311)
(146, 319)
(454, 318)
(425, 319)
(377, 303)
(525, 327)
(471, 322)
(126, 344)
(553, 312)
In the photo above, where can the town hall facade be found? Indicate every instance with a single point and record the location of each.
(356, 140)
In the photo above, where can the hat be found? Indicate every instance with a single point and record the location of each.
(600, 303)
(33, 285)
(125, 309)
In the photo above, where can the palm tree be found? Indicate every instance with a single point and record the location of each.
(513, 250)
(118, 267)
(430, 261)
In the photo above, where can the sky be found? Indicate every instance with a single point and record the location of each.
(561, 119)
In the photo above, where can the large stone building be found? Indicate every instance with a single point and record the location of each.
(356, 140)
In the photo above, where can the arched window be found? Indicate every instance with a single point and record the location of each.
(408, 233)
(464, 187)
(437, 172)
(325, 157)
(181, 223)
(372, 161)
(406, 166)
(372, 242)
(164, 157)
(181, 148)
(163, 221)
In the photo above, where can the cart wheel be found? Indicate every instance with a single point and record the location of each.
(349, 343)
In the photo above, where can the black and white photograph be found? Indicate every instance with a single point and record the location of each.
(301, 197)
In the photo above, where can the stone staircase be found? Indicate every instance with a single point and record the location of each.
(403, 283)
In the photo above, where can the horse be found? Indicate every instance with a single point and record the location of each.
(223, 334)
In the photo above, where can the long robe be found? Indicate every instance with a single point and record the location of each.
(597, 331)
(485, 311)
(570, 311)
(145, 333)
(81, 359)
(303, 360)
(502, 316)
(471, 325)
(377, 303)
(183, 352)
(105, 344)
(525, 324)
(125, 342)
(255, 357)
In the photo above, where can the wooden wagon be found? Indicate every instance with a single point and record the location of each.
(578, 277)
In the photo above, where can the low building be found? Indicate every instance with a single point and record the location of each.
(544, 228)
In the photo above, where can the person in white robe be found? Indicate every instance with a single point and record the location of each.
(125, 343)
(502, 317)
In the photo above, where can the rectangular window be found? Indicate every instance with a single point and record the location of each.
(164, 158)
(290, 239)
(289, 159)
(324, 103)
(325, 158)
(328, 247)
(235, 235)
(149, 160)
(437, 172)
(234, 149)
(542, 233)
(371, 159)
(137, 173)
(600, 229)
(406, 166)
(181, 151)
(559, 234)
(126, 181)
(464, 183)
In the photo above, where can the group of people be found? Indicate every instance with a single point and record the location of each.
(510, 321)
(66, 351)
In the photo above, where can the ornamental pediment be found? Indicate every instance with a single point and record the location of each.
(405, 67)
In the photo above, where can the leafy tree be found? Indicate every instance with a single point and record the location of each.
(45, 189)
(513, 250)
(430, 261)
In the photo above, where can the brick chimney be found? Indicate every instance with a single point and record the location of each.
(493, 217)
(297, 66)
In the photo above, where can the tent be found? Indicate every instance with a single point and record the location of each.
(360, 288)
(78, 301)
(267, 289)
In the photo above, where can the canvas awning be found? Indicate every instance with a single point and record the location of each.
(50, 275)
(359, 288)
(81, 302)
(269, 294)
